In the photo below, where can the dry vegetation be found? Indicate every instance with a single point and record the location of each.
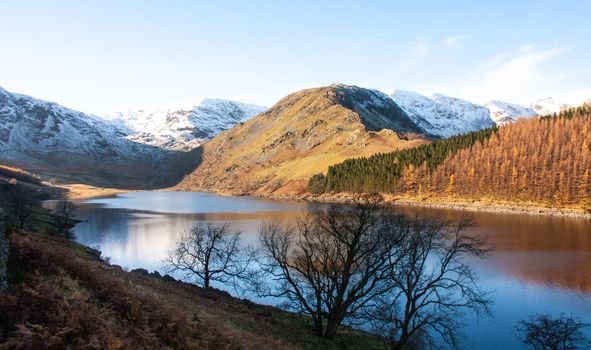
(81, 191)
(277, 151)
(63, 296)
(8, 172)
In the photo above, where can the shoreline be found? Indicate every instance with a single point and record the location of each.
(464, 205)
(79, 191)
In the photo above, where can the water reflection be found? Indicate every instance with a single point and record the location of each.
(539, 264)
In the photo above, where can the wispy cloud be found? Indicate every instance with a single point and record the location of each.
(454, 41)
(419, 49)
(516, 76)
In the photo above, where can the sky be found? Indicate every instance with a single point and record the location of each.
(101, 56)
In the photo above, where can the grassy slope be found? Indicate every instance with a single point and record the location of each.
(277, 151)
(62, 295)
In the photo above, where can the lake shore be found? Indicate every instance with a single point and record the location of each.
(455, 204)
(81, 191)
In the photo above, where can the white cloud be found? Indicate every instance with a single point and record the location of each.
(518, 76)
(454, 41)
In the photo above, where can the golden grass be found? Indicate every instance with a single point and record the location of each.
(82, 191)
(276, 152)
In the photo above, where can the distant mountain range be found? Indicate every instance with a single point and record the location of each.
(554, 104)
(128, 148)
(445, 116)
(184, 126)
(441, 115)
(125, 149)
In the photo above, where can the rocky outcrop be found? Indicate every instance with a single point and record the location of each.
(3, 252)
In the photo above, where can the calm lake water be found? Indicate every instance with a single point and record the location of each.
(539, 264)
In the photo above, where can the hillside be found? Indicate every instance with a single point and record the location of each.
(54, 141)
(277, 151)
(63, 295)
(129, 151)
(185, 126)
(542, 161)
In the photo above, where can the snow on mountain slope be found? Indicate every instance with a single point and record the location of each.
(30, 127)
(441, 115)
(182, 127)
(505, 112)
(550, 105)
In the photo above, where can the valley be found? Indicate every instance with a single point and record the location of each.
(236, 148)
(432, 158)
(310, 175)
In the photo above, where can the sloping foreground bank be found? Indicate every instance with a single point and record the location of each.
(63, 295)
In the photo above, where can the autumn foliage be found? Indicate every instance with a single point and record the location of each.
(545, 161)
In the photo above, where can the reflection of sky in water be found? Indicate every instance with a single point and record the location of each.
(540, 264)
(194, 202)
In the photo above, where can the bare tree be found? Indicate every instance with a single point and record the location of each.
(432, 286)
(543, 332)
(333, 263)
(65, 210)
(21, 204)
(209, 253)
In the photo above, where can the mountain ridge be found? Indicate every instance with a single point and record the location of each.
(276, 151)
(182, 127)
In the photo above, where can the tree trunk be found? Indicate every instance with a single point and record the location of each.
(331, 328)
(400, 343)
(318, 327)
(396, 345)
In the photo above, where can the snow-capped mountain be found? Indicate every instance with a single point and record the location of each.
(554, 104)
(137, 149)
(31, 126)
(505, 112)
(441, 115)
(182, 127)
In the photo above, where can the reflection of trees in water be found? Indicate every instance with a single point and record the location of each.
(551, 251)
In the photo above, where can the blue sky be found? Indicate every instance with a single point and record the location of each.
(105, 55)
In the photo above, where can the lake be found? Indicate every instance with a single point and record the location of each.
(540, 264)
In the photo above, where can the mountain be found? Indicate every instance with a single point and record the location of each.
(132, 149)
(182, 127)
(277, 151)
(555, 104)
(56, 141)
(442, 116)
(504, 112)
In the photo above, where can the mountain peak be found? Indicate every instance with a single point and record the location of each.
(302, 134)
(374, 109)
